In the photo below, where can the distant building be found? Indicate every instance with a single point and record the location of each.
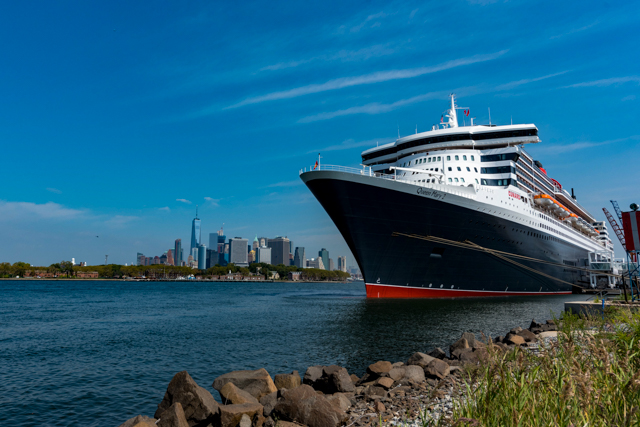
(299, 258)
(279, 250)
(195, 232)
(202, 257)
(263, 241)
(163, 258)
(213, 241)
(295, 275)
(156, 259)
(238, 251)
(324, 254)
(331, 266)
(170, 259)
(222, 246)
(315, 263)
(251, 256)
(194, 254)
(256, 243)
(177, 253)
(140, 259)
(263, 254)
(212, 257)
(342, 263)
(190, 262)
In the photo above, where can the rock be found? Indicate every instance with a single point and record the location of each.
(385, 382)
(354, 378)
(230, 394)
(313, 374)
(377, 369)
(514, 339)
(551, 322)
(230, 415)
(498, 339)
(379, 406)
(173, 417)
(536, 330)
(437, 368)
(396, 374)
(413, 373)
(144, 424)
(535, 324)
(339, 381)
(281, 423)
(304, 406)
(481, 354)
(397, 365)
(137, 420)
(438, 353)
(257, 383)
(516, 330)
(245, 421)
(258, 420)
(457, 353)
(373, 390)
(471, 338)
(269, 402)
(419, 359)
(548, 334)
(340, 401)
(453, 370)
(527, 335)
(287, 381)
(197, 403)
(461, 344)
(502, 346)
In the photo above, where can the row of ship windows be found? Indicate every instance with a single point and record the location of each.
(491, 182)
(436, 159)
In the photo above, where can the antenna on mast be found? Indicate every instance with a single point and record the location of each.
(489, 116)
(196, 211)
(398, 130)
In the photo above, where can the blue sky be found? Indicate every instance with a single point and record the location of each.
(117, 118)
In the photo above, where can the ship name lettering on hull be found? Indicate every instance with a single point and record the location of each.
(431, 193)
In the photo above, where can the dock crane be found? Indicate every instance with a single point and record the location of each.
(616, 227)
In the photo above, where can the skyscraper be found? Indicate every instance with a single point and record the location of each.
(202, 257)
(263, 254)
(238, 251)
(279, 250)
(324, 254)
(331, 266)
(213, 241)
(195, 232)
(140, 259)
(177, 253)
(170, 259)
(221, 247)
(342, 263)
(256, 244)
(299, 258)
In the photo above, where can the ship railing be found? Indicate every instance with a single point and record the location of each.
(368, 171)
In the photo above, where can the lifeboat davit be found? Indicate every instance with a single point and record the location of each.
(543, 200)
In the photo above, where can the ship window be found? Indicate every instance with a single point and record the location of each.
(459, 169)
(436, 169)
(475, 169)
(457, 158)
(429, 160)
(456, 179)
(464, 157)
(448, 157)
(477, 181)
(449, 179)
(449, 168)
(473, 159)
(438, 158)
(468, 170)
(462, 179)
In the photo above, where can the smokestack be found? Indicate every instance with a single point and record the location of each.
(573, 195)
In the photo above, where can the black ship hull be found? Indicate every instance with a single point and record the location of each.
(370, 214)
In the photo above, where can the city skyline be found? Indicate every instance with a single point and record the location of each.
(111, 98)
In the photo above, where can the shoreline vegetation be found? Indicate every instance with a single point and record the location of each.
(254, 272)
(570, 371)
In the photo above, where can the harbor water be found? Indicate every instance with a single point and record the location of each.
(95, 353)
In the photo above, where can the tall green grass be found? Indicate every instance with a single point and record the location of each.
(590, 377)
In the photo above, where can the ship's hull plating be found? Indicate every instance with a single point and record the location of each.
(368, 211)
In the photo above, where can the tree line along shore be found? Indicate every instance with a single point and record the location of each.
(566, 372)
(255, 272)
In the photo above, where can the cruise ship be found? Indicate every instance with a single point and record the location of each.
(460, 211)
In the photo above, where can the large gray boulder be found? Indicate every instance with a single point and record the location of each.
(313, 374)
(461, 344)
(413, 373)
(419, 359)
(287, 381)
(139, 420)
(231, 415)
(437, 369)
(200, 408)
(304, 406)
(230, 394)
(257, 383)
(329, 379)
(269, 402)
(438, 353)
(173, 417)
(379, 368)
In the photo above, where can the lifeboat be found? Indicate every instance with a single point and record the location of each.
(543, 200)
(573, 219)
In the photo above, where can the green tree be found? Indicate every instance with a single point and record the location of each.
(66, 267)
(19, 268)
(5, 269)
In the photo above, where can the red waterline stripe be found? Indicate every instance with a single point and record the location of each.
(389, 291)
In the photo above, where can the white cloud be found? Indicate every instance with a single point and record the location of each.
(607, 82)
(517, 83)
(166, 208)
(54, 190)
(350, 143)
(557, 149)
(213, 202)
(49, 210)
(118, 221)
(184, 201)
(370, 18)
(377, 77)
(573, 31)
(293, 183)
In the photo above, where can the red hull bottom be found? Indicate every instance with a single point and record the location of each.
(387, 291)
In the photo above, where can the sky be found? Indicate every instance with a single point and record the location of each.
(118, 118)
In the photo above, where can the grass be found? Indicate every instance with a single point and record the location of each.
(590, 377)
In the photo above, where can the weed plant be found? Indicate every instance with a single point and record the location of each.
(589, 377)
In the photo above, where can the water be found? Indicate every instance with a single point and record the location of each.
(96, 353)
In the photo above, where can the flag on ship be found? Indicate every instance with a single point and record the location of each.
(315, 166)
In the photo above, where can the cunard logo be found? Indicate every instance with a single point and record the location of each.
(431, 193)
(514, 195)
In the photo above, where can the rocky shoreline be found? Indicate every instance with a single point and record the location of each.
(425, 387)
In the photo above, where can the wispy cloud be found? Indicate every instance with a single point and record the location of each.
(366, 22)
(377, 77)
(184, 201)
(50, 210)
(574, 30)
(118, 221)
(212, 202)
(379, 108)
(54, 190)
(565, 148)
(293, 183)
(350, 143)
(166, 209)
(608, 82)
